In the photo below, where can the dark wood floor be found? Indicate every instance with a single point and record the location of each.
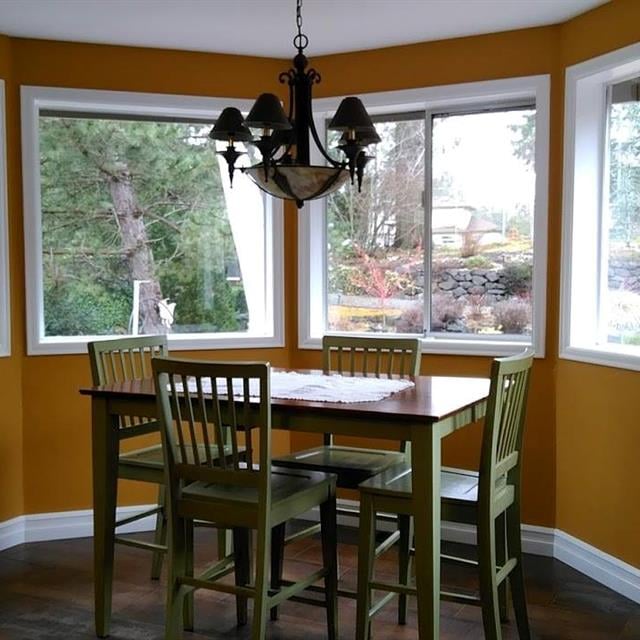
(46, 593)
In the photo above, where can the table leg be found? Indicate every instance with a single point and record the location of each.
(105, 478)
(425, 465)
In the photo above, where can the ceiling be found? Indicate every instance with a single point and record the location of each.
(266, 27)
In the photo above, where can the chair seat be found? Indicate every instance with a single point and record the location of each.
(152, 457)
(292, 493)
(456, 485)
(352, 465)
(148, 464)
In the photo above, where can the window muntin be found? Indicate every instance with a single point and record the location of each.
(5, 316)
(137, 229)
(480, 217)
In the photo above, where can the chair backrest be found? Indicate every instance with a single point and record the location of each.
(197, 416)
(382, 357)
(504, 422)
(123, 359)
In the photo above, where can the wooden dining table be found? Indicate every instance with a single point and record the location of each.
(422, 415)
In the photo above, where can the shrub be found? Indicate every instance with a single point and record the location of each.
(513, 316)
(478, 262)
(516, 278)
(446, 312)
(411, 320)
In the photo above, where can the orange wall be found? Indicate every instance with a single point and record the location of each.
(11, 450)
(53, 420)
(597, 418)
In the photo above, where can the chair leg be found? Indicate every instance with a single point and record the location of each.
(516, 578)
(277, 561)
(242, 553)
(366, 551)
(188, 608)
(160, 536)
(488, 582)
(261, 601)
(223, 543)
(329, 535)
(177, 565)
(405, 525)
(501, 558)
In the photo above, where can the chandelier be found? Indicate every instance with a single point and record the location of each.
(285, 170)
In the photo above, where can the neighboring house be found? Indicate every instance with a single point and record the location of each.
(451, 224)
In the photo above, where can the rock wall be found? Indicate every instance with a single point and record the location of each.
(463, 282)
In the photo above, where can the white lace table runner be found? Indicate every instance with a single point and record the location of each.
(289, 385)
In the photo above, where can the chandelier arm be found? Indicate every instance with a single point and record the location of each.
(316, 139)
(288, 77)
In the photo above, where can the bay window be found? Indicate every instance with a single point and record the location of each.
(132, 227)
(447, 239)
(601, 234)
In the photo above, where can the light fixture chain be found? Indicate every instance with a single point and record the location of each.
(299, 16)
(301, 41)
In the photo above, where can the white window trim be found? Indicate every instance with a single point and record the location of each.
(5, 296)
(311, 229)
(584, 159)
(36, 98)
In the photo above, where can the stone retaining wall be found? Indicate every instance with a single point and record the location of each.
(476, 282)
(624, 274)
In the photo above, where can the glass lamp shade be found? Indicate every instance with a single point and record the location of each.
(267, 113)
(230, 124)
(298, 182)
(351, 114)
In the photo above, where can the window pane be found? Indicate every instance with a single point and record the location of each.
(623, 295)
(483, 194)
(138, 232)
(375, 279)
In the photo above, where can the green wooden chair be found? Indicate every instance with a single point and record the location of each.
(369, 356)
(120, 360)
(231, 493)
(489, 499)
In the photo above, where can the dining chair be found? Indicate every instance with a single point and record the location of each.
(194, 406)
(367, 356)
(125, 359)
(121, 360)
(488, 499)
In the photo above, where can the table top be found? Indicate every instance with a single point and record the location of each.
(432, 399)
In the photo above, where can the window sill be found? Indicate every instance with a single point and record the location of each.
(208, 342)
(609, 356)
(453, 347)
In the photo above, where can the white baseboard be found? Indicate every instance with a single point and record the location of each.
(543, 541)
(12, 533)
(598, 565)
(64, 525)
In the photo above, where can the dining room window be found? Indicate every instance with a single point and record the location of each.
(5, 306)
(601, 239)
(447, 238)
(134, 227)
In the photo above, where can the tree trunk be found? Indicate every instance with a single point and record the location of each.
(135, 243)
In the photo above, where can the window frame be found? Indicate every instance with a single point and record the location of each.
(35, 99)
(312, 241)
(585, 137)
(5, 291)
